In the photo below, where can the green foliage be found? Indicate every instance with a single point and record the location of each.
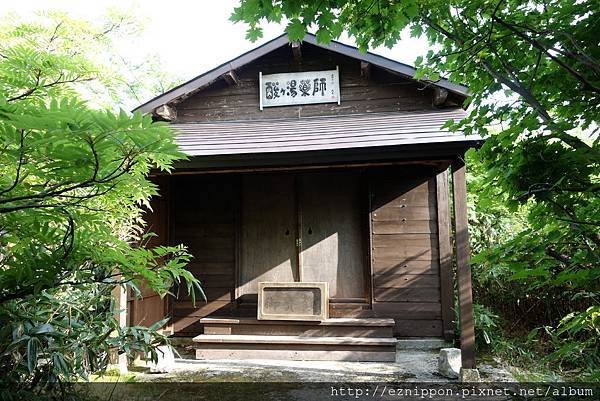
(73, 184)
(89, 59)
(515, 278)
(577, 341)
(486, 325)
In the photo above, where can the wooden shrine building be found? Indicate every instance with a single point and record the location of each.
(316, 204)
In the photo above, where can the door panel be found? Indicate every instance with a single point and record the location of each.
(331, 233)
(268, 227)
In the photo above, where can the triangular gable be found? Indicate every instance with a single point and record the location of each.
(213, 75)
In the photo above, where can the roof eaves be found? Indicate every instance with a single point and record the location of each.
(384, 62)
(212, 75)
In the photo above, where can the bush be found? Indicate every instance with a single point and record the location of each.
(73, 181)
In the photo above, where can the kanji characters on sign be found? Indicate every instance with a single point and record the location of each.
(299, 88)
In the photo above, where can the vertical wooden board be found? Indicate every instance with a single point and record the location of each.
(147, 311)
(332, 232)
(157, 219)
(463, 269)
(445, 254)
(268, 231)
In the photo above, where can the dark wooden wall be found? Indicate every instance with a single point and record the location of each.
(381, 92)
(405, 257)
(203, 217)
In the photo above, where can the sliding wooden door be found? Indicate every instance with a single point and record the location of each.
(304, 227)
(268, 232)
(332, 241)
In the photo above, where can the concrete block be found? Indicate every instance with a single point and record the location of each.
(449, 362)
(165, 362)
(469, 375)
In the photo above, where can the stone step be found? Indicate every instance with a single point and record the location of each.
(422, 343)
(365, 349)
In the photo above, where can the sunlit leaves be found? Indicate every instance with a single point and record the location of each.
(73, 179)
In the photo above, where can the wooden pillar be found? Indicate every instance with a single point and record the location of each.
(463, 269)
(119, 294)
(445, 255)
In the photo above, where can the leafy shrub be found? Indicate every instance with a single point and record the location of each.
(73, 180)
(577, 341)
(486, 326)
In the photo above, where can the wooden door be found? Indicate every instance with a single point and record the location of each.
(268, 227)
(332, 241)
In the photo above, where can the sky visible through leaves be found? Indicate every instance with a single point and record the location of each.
(189, 37)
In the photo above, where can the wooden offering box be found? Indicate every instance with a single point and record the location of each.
(293, 301)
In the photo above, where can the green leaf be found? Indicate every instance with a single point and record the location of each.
(32, 353)
(295, 29)
(254, 33)
(323, 36)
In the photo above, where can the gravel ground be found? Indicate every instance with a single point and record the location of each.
(410, 366)
(254, 380)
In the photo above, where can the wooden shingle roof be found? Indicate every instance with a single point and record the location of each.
(319, 133)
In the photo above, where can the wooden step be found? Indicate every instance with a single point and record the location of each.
(335, 327)
(338, 321)
(212, 346)
(250, 339)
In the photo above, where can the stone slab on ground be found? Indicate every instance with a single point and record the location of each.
(165, 362)
(449, 362)
(469, 375)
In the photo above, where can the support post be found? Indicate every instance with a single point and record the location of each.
(297, 51)
(445, 254)
(463, 269)
(231, 78)
(365, 69)
(439, 96)
(119, 294)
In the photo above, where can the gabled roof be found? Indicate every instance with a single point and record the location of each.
(207, 78)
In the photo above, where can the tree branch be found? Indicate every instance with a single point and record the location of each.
(539, 46)
(19, 163)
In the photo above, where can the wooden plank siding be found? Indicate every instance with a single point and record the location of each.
(405, 250)
(149, 308)
(380, 92)
(203, 218)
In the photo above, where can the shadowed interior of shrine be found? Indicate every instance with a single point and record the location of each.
(371, 234)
